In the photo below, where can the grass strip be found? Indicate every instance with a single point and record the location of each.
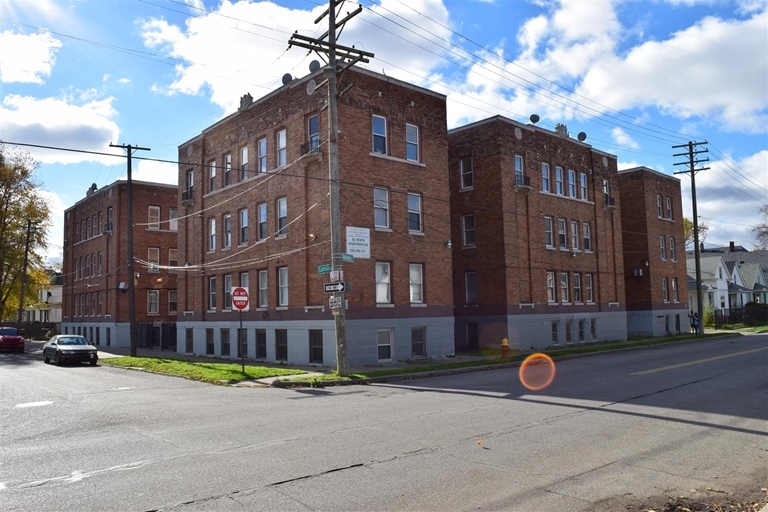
(215, 373)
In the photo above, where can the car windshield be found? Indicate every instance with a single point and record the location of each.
(10, 331)
(72, 341)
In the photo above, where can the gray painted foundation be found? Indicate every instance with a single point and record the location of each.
(657, 323)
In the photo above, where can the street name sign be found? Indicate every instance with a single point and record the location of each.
(333, 287)
(347, 257)
(324, 269)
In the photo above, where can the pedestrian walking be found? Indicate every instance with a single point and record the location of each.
(695, 323)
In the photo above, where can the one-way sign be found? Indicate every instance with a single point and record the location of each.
(333, 287)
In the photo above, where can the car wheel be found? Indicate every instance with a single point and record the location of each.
(94, 361)
(46, 359)
(57, 359)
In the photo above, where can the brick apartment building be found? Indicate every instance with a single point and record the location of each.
(254, 198)
(95, 266)
(537, 246)
(654, 253)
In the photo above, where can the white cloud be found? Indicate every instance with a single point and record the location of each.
(57, 122)
(31, 59)
(55, 233)
(622, 138)
(156, 172)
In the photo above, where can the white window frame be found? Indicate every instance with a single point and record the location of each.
(659, 210)
(212, 293)
(282, 217)
(153, 302)
(378, 134)
(519, 170)
(672, 249)
(412, 142)
(586, 228)
(559, 180)
(262, 155)
(549, 235)
(576, 283)
(665, 289)
(226, 223)
(173, 301)
(244, 163)
(545, 177)
(415, 212)
(468, 230)
(584, 191)
(551, 289)
(244, 279)
(381, 208)
(663, 246)
(243, 225)
(263, 218)
(471, 289)
(466, 175)
(675, 293)
(281, 142)
(153, 217)
(173, 259)
(211, 175)
(589, 288)
(562, 233)
(153, 258)
(575, 235)
(565, 288)
(669, 208)
(383, 282)
(227, 169)
(416, 279)
(173, 219)
(282, 285)
(571, 183)
(227, 288)
(212, 234)
(313, 134)
(384, 340)
(263, 277)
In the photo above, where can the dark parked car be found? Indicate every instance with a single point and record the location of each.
(10, 340)
(69, 347)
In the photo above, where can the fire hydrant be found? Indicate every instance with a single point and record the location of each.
(505, 351)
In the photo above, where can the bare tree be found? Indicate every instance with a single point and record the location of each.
(761, 230)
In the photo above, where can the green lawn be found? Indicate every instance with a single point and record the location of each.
(216, 373)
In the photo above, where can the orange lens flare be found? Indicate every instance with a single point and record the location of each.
(537, 371)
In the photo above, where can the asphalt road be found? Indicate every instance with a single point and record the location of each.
(610, 430)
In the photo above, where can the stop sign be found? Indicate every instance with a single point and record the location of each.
(240, 298)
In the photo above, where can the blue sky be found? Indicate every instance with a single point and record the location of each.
(637, 76)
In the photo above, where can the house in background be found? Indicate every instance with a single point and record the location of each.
(655, 272)
(255, 212)
(536, 231)
(46, 315)
(95, 281)
(715, 281)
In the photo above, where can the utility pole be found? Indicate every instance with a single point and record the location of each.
(30, 224)
(129, 149)
(692, 162)
(339, 59)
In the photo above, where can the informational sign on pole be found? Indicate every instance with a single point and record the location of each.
(240, 298)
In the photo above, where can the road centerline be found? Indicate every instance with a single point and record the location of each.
(698, 361)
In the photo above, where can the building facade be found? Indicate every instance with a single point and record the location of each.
(95, 300)
(254, 196)
(655, 272)
(537, 246)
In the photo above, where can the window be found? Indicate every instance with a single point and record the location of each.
(577, 287)
(574, 235)
(244, 163)
(209, 342)
(581, 330)
(583, 186)
(211, 234)
(412, 142)
(313, 133)
(173, 219)
(190, 184)
(262, 212)
(227, 292)
(101, 222)
(470, 287)
(101, 261)
(316, 346)
(109, 218)
(101, 301)
(381, 208)
(549, 240)
(282, 216)
(565, 290)
(518, 170)
(414, 213)
(282, 283)
(468, 230)
(675, 295)
(379, 135)
(227, 224)
(224, 334)
(211, 176)
(588, 291)
(384, 342)
(669, 208)
(586, 228)
(665, 289)
(545, 177)
(263, 289)
(658, 205)
(153, 257)
(262, 155)
(243, 225)
(672, 252)
(562, 233)
(87, 265)
(419, 341)
(559, 180)
(212, 293)
(173, 259)
(416, 276)
(568, 329)
(281, 344)
(77, 232)
(593, 328)
(244, 279)
(153, 302)
(227, 170)
(465, 170)
(382, 283)
(281, 148)
(261, 343)
(571, 183)
(555, 332)
(88, 224)
(153, 218)
(189, 339)
(551, 290)
(663, 245)
(173, 303)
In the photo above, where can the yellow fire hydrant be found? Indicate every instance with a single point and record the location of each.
(505, 351)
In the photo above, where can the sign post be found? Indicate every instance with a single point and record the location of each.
(241, 303)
